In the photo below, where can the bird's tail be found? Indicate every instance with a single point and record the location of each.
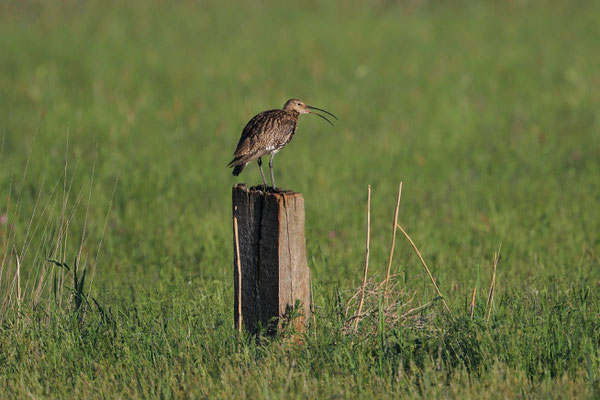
(238, 169)
(238, 164)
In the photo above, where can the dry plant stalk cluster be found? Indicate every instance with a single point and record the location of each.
(394, 307)
(376, 302)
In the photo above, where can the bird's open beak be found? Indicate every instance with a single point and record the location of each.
(325, 111)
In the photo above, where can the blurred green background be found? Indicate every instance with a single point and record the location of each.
(124, 114)
(487, 113)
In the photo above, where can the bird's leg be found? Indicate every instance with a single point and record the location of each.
(271, 168)
(262, 172)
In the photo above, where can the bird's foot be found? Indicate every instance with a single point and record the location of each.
(277, 190)
(270, 189)
(262, 188)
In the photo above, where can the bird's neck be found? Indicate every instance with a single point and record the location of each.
(293, 113)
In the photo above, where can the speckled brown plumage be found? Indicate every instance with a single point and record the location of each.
(267, 133)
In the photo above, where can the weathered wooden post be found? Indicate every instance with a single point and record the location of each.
(272, 252)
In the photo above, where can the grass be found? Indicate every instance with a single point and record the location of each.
(117, 120)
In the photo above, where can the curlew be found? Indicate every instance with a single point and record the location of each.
(267, 133)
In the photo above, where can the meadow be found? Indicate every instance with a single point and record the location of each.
(116, 259)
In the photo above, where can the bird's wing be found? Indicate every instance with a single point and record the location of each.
(261, 134)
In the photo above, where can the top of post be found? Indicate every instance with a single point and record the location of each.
(260, 189)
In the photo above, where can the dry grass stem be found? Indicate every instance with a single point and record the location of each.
(18, 279)
(103, 232)
(387, 277)
(473, 301)
(239, 271)
(490, 299)
(426, 268)
(362, 296)
(312, 306)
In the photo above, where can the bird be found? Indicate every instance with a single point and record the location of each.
(267, 133)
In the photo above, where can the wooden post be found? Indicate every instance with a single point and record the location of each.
(272, 251)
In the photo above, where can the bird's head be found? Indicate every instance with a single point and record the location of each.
(301, 108)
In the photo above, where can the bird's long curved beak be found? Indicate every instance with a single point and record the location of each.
(325, 111)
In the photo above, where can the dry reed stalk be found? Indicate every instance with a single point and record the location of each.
(18, 288)
(473, 301)
(490, 299)
(426, 268)
(362, 297)
(18, 279)
(239, 270)
(312, 305)
(387, 277)
(103, 232)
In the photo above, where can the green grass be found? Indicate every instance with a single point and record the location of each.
(117, 120)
